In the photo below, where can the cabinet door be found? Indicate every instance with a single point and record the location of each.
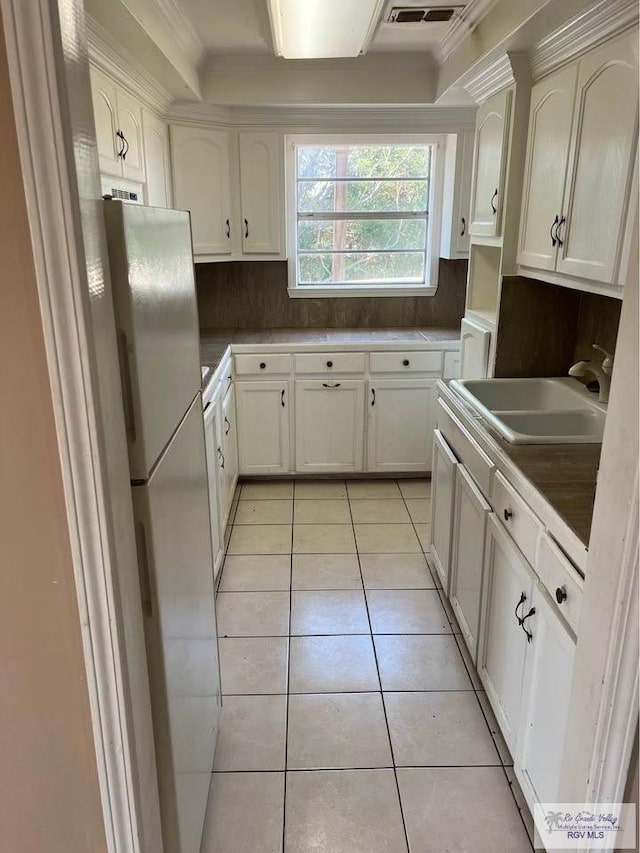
(470, 511)
(262, 410)
(442, 484)
(545, 709)
(200, 168)
(230, 443)
(489, 163)
(601, 159)
(156, 157)
(330, 425)
(461, 224)
(261, 192)
(105, 112)
(217, 534)
(130, 121)
(546, 166)
(401, 421)
(474, 350)
(507, 588)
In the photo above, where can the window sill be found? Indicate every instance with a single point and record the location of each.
(312, 292)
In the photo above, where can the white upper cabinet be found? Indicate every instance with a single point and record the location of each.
(580, 162)
(329, 425)
(200, 167)
(395, 407)
(601, 158)
(105, 112)
(130, 121)
(261, 192)
(489, 164)
(157, 160)
(118, 120)
(456, 199)
(546, 167)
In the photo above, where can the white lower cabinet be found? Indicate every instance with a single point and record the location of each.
(474, 350)
(545, 704)
(230, 443)
(470, 512)
(263, 415)
(329, 425)
(443, 474)
(211, 412)
(400, 424)
(508, 589)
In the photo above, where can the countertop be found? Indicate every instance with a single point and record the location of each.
(214, 344)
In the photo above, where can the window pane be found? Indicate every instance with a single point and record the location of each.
(363, 161)
(363, 268)
(362, 196)
(361, 234)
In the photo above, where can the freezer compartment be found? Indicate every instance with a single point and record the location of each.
(176, 576)
(157, 323)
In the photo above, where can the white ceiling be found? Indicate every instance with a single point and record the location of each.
(241, 27)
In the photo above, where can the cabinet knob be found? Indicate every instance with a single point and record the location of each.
(262, 365)
(405, 362)
(561, 594)
(507, 514)
(329, 364)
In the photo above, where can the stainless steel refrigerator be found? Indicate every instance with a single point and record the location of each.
(157, 325)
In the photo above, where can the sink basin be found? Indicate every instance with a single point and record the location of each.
(537, 411)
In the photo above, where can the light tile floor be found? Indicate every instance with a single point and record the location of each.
(353, 720)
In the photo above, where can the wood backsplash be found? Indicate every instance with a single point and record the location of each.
(543, 328)
(253, 295)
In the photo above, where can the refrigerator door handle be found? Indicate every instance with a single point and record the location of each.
(143, 570)
(127, 390)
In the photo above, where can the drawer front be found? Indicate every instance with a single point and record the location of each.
(467, 449)
(262, 365)
(451, 365)
(515, 515)
(330, 362)
(406, 362)
(561, 580)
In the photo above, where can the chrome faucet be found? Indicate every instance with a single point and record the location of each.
(601, 372)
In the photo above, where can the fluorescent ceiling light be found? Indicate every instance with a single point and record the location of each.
(315, 29)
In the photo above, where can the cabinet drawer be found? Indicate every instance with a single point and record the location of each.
(259, 365)
(466, 448)
(516, 516)
(406, 362)
(561, 580)
(330, 362)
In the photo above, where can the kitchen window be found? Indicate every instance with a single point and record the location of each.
(363, 215)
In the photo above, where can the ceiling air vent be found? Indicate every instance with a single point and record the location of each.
(417, 15)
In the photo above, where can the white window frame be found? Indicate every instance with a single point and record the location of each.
(434, 222)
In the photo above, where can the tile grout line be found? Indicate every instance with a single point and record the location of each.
(375, 657)
(286, 727)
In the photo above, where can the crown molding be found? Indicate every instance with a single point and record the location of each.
(181, 28)
(462, 26)
(260, 63)
(109, 56)
(432, 119)
(603, 21)
(511, 67)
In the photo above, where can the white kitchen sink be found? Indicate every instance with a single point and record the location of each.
(537, 411)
